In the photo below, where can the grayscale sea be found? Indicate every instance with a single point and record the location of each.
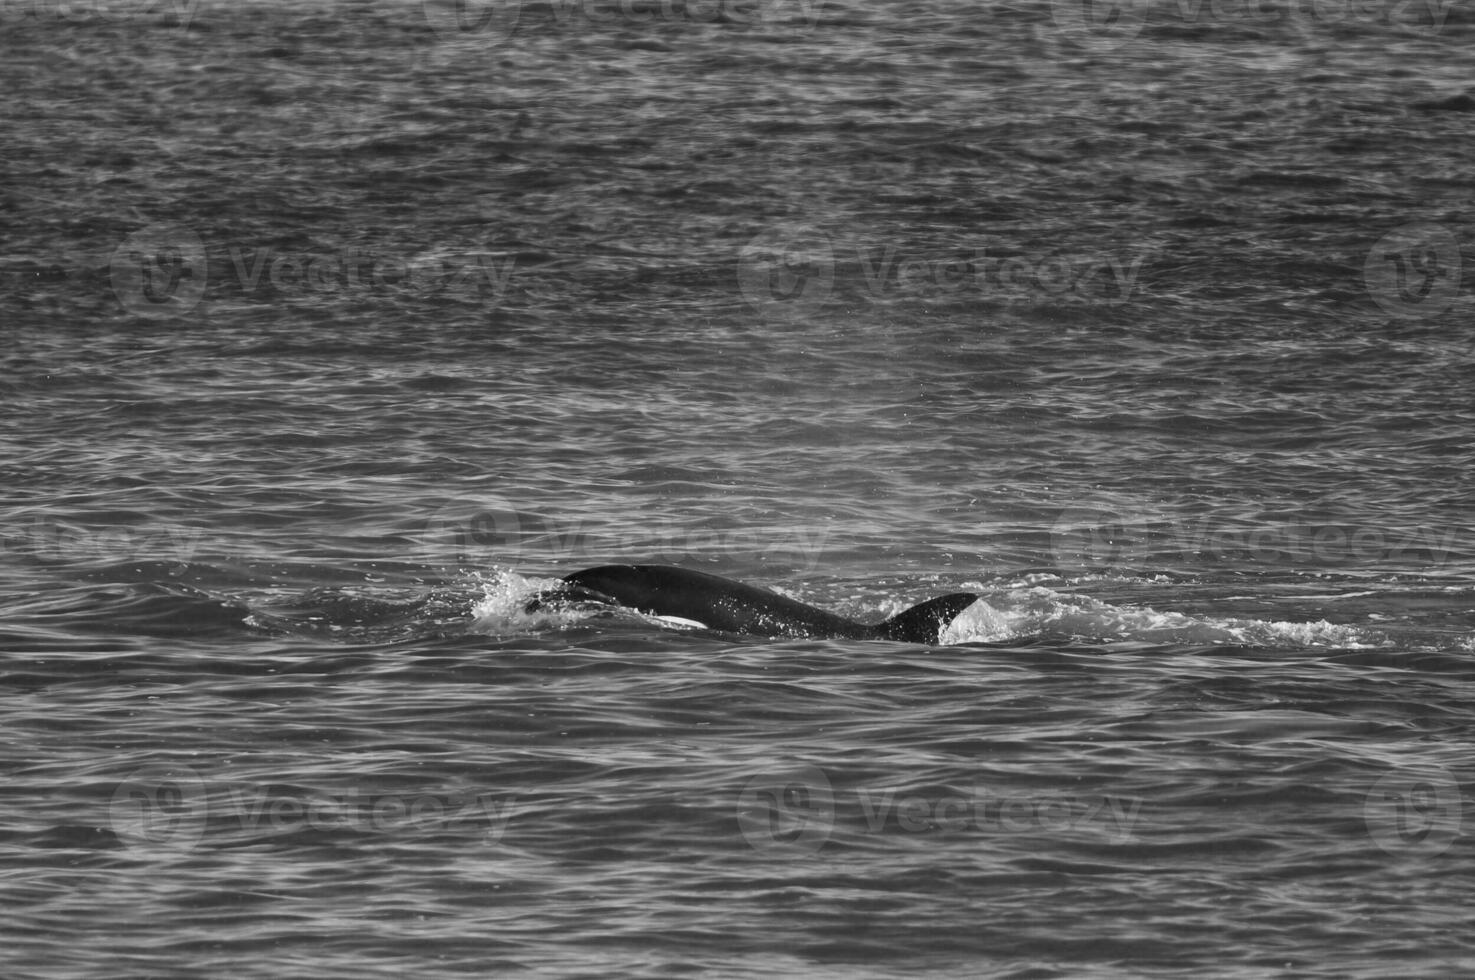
(333, 331)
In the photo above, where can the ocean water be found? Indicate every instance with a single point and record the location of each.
(333, 331)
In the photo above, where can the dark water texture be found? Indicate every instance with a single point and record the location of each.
(869, 302)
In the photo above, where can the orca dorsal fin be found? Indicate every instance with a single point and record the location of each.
(925, 621)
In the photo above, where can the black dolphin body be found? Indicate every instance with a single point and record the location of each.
(722, 604)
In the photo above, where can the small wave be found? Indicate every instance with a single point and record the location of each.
(501, 609)
(137, 609)
(352, 616)
(1041, 611)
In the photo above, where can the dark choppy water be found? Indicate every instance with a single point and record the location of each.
(332, 329)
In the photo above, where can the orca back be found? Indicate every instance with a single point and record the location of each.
(701, 598)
